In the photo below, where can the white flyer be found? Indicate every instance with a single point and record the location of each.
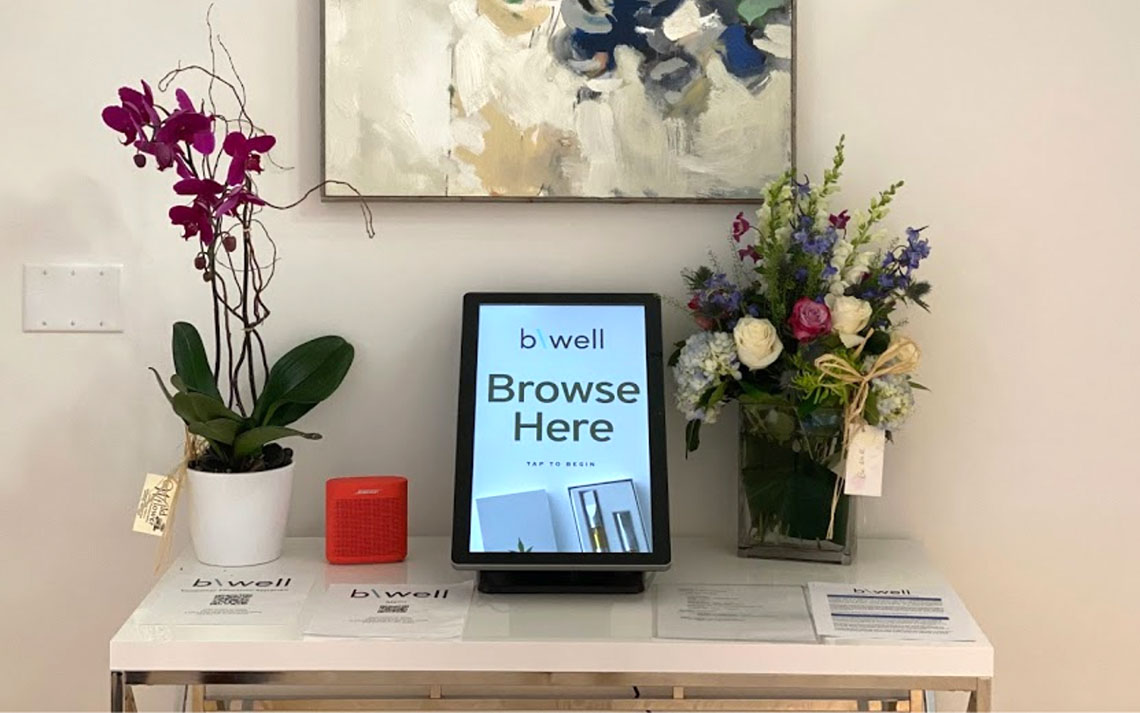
(853, 611)
(392, 611)
(733, 612)
(247, 596)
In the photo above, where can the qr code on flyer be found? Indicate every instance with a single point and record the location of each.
(230, 600)
(392, 609)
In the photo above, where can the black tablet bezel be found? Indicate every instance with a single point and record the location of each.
(659, 558)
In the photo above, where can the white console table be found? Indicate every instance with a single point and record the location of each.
(535, 652)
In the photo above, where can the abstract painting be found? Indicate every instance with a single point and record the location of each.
(557, 99)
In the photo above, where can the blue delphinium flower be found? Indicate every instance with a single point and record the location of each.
(830, 237)
(820, 244)
(917, 248)
(899, 265)
(721, 294)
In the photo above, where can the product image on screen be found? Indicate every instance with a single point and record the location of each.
(560, 459)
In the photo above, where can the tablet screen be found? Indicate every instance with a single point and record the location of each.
(560, 445)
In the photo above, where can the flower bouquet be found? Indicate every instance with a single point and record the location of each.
(803, 332)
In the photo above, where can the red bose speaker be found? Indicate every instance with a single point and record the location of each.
(366, 519)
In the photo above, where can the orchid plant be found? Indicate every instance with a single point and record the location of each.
(217, 158)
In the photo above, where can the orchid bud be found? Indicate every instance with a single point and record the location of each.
(229, 242)
(200, 262)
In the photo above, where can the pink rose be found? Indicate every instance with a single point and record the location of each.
(705, 323)
(810, 319)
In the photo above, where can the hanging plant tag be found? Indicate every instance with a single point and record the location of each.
(155, 504)
(864, 468)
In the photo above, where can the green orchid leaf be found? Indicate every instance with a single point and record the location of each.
(250, 442)
(287, 413)
(219, 430)
(178, 384)
(165, 391)
(190, 362)
(307, 374)
(199, 408)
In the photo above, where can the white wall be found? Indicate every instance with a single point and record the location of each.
(1014, 123)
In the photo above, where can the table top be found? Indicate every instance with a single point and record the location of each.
(551, 633)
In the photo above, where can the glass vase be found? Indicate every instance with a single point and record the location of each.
(789, 505)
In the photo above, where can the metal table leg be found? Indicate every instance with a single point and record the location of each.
(118, 692)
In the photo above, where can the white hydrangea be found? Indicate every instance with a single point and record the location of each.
(894, 399)
(705, 360)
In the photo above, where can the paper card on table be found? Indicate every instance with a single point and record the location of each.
(242, 596)
(864, 468)
(392, 611)
(733, 612)
(846, 611)
(155, 503)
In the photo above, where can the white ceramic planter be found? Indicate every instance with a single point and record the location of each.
(238, 519)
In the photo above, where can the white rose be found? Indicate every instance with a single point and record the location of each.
(908, 352)
(757, 342)
(849, 316)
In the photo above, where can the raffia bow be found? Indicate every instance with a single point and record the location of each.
(901, 357)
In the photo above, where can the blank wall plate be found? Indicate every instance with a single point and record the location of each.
(73, 298)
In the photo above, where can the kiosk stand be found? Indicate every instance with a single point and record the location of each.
(560, 474)
(546, 581)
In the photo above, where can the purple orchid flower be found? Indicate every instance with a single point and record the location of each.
(195, 220)
(203, 140)
(182, 126)
(204, 189)
(244, 152)
(121, 121)
(164, 153)
(839, 222)
(236, 198)
(135, 111)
